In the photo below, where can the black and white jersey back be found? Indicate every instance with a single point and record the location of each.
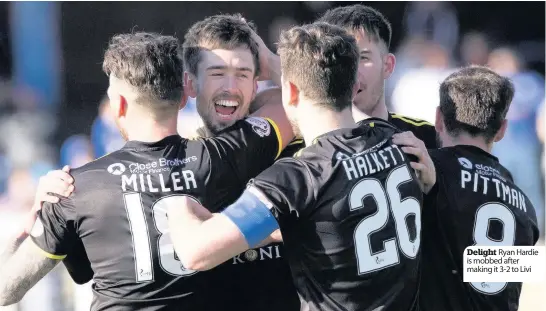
(118, 213)
(348, 207)
(474, 202)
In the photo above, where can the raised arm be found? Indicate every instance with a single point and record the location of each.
(270, 63)
(268, 104)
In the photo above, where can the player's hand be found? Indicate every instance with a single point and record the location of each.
(53, 184)
(424, 169)
(264, 53)
(50, 186)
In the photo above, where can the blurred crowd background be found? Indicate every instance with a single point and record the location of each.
(53, 109)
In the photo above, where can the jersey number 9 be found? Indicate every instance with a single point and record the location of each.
(482, 237)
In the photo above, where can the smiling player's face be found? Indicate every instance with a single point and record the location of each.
(371, 72)
(224, 87)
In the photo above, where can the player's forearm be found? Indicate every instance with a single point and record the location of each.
(13, 245)
(184, 222)
(210, 244)
(21, 272)
(274, 62)
(197, 237)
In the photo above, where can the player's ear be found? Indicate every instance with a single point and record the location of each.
(190, 84)
(439, 123)
(294, 94)
(122, 108)
(501, 131)
(390, 63)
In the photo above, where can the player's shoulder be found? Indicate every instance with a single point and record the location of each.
(369, 133)
(406, 121)
(293, 148)
(105, 163)
(422, 129)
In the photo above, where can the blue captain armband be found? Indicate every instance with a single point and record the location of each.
(253, 217)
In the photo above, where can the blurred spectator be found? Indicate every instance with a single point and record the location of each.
(416, 93)
(105, 136)
(76, 151)
(474, 49)
(433, 21)
(19, 194)
(521, 132)
(29, 129)
(5, 168)
(540, 126)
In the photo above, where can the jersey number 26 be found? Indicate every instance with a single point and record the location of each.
(386, 199)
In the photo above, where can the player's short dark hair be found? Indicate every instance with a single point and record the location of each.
(361, 17)
(322, 61)
(475, 100)
(219, 32)
(150, 62)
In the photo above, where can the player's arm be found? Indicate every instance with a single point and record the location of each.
(54, 184)
(22, 271)
(425, 169)
(268, 105)
(270, 63)
(203, 240)
(49, 241)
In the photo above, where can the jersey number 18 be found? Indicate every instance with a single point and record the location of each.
(142, 242)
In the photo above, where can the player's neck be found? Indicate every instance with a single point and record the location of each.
(379, 111)
(151, 130)
(322, 122)
(464, 139)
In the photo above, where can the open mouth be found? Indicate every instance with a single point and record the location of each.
(226, 108)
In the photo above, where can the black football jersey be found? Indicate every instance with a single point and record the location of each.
(349, 211)
(293, 147)
(117, 215)
(262, 273)
(474, 202)
(420, 128)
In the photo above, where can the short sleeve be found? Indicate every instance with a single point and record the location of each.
(54, 231)
(287, 187)
(249, 146)
(78, 265)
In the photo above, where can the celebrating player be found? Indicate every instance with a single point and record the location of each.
(222, 63)
(117, 215)
(373, 35)
(348, 205)
(474, 200)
